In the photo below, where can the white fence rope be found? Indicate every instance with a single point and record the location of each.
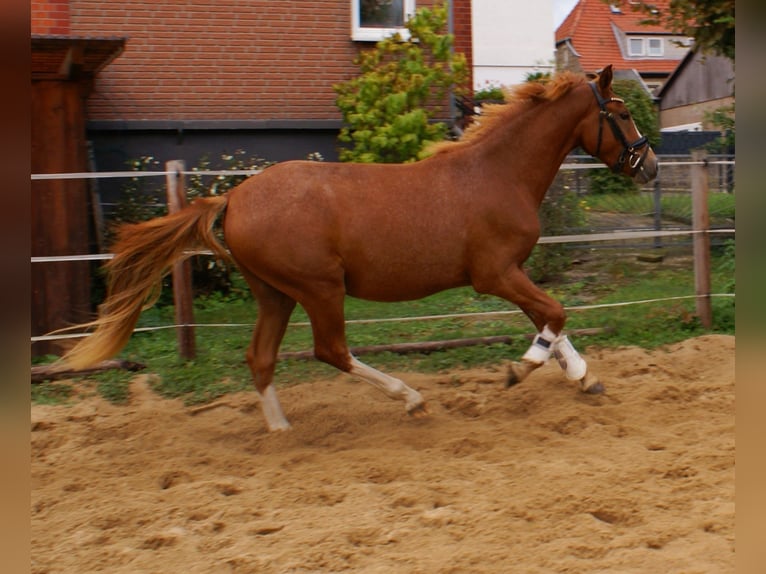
(477, 315)
(129, 174)
(118, 174)
(613, 236)
(620, 235)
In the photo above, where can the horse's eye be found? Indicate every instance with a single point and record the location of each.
(625, 115)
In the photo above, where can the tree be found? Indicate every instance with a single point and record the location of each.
(386, 109)
(723, 119)
(709, 22)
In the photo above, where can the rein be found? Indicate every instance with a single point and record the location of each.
(629, 150)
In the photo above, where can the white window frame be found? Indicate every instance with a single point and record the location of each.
(631, 51)
(646, 47)
(658, 51)
(368, 34)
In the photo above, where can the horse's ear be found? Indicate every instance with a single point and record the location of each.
(605, 79)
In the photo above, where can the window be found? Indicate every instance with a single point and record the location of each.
(655, 47)
(373, 20)
(645, 47)
(636, 47)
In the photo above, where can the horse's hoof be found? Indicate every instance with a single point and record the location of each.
(280, 428)
(516, 374)
(591, 385)
(419, 411)
(595, 389)
(519, 371)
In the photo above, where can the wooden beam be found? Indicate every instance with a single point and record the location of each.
(431, 346)
(72, 65)
(42, 373)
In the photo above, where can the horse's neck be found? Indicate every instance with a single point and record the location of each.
(531, 147)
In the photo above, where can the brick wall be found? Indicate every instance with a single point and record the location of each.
(50, 17)
(461, 21)
(222, 60)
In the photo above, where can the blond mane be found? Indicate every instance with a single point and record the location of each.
(516, 97)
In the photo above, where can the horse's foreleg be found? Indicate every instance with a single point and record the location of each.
(274, 310)
(536, 356)
(547, 343)
(548, 316)
(575, 367)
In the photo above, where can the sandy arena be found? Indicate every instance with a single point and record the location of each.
(539, 478)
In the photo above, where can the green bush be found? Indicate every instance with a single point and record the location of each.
(387, 109)
(489, 93)
(143, 198)
(723, 119)
(139, 199)
(561, 212)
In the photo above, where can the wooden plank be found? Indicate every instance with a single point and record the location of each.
(71, 65)
(431, 346)
(182, 284)
(60, 291)
(42, 373)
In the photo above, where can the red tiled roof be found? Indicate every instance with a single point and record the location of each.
(589, 28)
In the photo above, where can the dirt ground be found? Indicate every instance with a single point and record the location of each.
(537, 478)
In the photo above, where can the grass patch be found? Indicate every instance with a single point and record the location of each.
(114, 385)
(51, 393)
(604, 277)
(673, 206)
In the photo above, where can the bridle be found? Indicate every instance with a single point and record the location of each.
(630, 151)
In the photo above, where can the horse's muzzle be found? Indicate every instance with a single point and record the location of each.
(646, 170)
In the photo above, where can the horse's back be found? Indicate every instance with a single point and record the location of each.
(385, 228)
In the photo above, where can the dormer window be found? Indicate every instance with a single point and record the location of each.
(374, 20)
(615, 9)
(653, 47)
(635, 46)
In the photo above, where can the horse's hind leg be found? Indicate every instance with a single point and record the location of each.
(330, 346)
(274, 310)
(548, 316)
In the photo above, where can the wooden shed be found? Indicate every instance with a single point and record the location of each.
(700, 84)
(63, 72)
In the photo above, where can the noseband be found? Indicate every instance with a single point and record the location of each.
(630, 151)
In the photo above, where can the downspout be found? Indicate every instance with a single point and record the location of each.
(451, 30)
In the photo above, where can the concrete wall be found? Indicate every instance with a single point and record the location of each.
(511, 39)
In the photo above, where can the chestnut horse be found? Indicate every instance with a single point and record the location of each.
(313, 233)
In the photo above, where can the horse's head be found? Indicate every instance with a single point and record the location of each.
(621, 146)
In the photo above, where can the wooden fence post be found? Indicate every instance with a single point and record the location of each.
(182, 285)
(701, 241)
(657, 199)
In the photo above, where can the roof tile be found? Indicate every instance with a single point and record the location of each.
(589, 28)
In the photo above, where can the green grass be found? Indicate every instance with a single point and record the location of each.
(220, 365)
(673, 206)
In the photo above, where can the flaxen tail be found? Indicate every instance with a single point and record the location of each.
(144, 254)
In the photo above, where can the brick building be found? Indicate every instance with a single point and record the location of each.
(200, 78)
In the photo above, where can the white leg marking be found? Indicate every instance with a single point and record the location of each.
(393, 387)
(272, 411)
